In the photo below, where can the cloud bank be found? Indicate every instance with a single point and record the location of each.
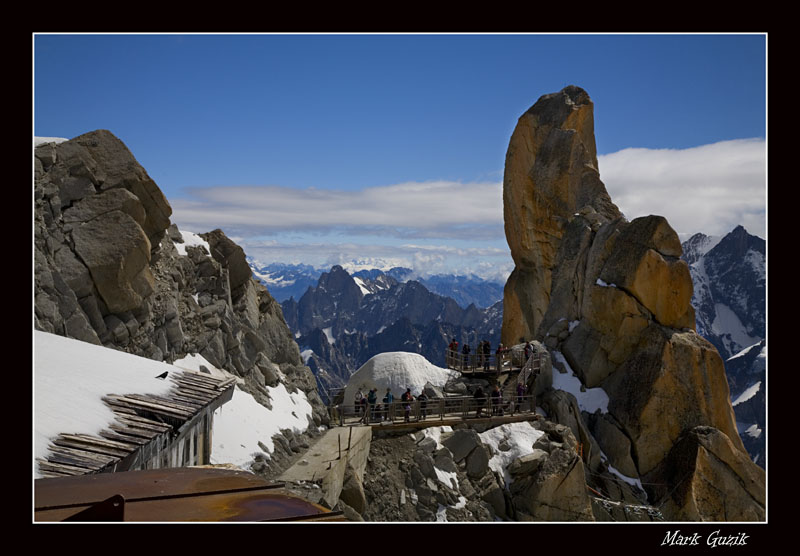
(440, 226)
(435, 209)
(709, 189)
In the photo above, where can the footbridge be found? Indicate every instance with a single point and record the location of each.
(507, 370)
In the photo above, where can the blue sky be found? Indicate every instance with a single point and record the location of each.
(328, 148)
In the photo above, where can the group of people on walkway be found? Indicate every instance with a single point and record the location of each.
(371, 411)
(498, 406)
(481, 358)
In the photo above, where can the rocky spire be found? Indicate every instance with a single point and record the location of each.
(612, 300)
(550, 174)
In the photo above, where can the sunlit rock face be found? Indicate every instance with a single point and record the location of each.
(550, 173)
(613, 298)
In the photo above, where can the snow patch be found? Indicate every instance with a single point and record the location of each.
(436, 434)
(360, 283)
(71, 378)
(573, 325)
(727, 323)
(447, 478)
(591, 400)
(600, 282)
(306, 355)
(268, 279)
(520, 438)
(241, 423)
(43, 140)
(753, 431)
(329, 334)
(193, 362)
(748, 393)
(191, 239)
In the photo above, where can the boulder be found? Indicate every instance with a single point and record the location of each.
(117, 168)
(562, 408)
(477, 462)
(674, 381)
(714, 480)
(614, 443)
(528, 463)
(120, 269)
(230, 256)
(645, 263)
(352, 492)
(461, 442)
(554, 491)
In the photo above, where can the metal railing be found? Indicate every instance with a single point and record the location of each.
(532, 366)
(463, 407)
(478, 362)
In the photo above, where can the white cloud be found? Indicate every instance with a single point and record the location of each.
(418, 209)
(710, 189)
(488, 262)
(446, 226)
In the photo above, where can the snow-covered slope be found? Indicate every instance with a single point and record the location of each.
(71, 377)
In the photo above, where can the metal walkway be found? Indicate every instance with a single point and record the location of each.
(510, 369)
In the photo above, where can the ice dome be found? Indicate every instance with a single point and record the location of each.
(397, 370)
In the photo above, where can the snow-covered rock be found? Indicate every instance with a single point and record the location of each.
(397, 370)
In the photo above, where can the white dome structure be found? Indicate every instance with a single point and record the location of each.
(397, 370)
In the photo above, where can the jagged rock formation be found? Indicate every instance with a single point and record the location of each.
(550, 173)
(110, 269)
(448, 476)
(345, 320)
(614, 297)
(729, 289)
(729, 298)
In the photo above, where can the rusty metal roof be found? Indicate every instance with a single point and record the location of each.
(171, 495)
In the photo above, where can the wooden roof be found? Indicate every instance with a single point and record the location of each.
(140, 420)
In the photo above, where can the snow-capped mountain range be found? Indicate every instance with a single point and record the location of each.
(729, 277)
(292, 280)
(345, 319)
(343, 316)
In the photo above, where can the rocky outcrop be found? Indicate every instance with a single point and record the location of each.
(110, 269)
(551, 485)
(713, 479)
(614, 298)
(550, 173)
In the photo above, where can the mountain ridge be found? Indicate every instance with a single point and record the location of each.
(286, 280)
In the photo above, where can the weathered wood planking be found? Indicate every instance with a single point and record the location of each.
(140, 419)
(92, 447)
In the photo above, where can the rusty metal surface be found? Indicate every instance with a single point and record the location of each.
(182, 494)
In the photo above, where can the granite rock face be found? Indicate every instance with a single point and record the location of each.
(550, 173)
(110, 269)
(612, 299)
(714, 480)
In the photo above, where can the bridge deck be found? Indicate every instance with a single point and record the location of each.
(455, 420)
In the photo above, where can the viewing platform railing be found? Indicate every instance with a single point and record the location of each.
(463, 407)
(480, 362)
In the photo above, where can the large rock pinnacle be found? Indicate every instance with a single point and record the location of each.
(612, 299)
(550, 173)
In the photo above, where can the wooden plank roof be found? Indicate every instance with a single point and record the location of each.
(139, 419)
